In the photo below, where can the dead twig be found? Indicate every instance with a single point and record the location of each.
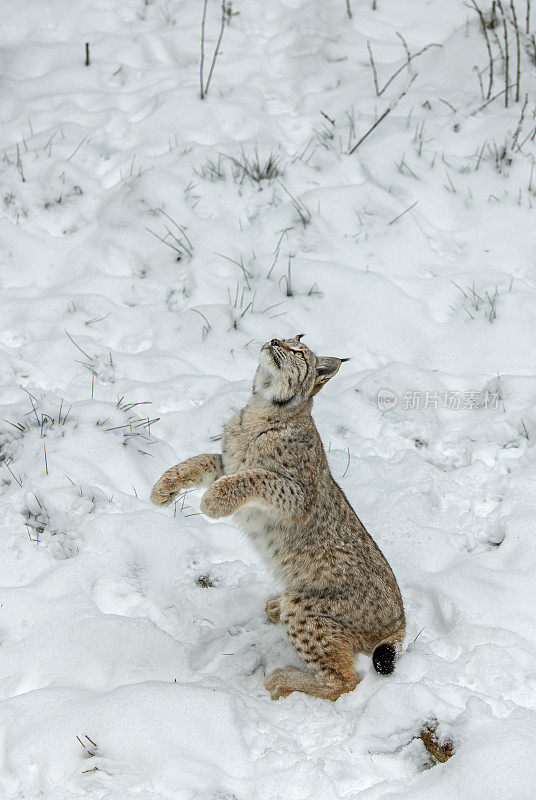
(488, 46)
(506, 55)
(373, 66)
(404, 66)
(382, 117)
(202, 60)
(518, 50)
(223, 22)
(499, 94)
(517, 131)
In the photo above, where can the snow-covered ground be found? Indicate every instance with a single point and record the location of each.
(133, 644)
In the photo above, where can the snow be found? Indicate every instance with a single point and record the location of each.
(141, 630)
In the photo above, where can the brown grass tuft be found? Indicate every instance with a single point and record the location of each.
(440, 748)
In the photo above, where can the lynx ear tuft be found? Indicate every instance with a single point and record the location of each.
(326, 368)
(299, 336)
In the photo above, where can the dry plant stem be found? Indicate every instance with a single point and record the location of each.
(495, 96)
(479, 76)
(348, 9)
(442, 100)
(498, 43)
(481, 154)
(488, 46)
(404, 45)
(382, 117)
(19, 166)
(518, 50)
(517, 131)
(373, 65)
(530, 135)
(217, 49)
(527, 21)
(506, 55)
(202, 61)
(408, 62)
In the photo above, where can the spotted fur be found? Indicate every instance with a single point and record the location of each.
(340, 596)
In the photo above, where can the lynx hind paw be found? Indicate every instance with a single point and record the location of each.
(277, 684)
(164, 491)
(273, 609)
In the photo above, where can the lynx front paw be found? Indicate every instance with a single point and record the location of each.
(165, 490)
(273, 609)
(217, 501)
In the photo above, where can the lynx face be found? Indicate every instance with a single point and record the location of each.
(289, 373)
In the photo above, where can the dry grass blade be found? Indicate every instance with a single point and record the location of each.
(77, 345)
(207, 325)
(15, 478)
(180, 248)
(302, 210)
(180, 227)
(246, 274)
(403, 212)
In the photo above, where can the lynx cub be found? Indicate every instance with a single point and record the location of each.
(340, 596)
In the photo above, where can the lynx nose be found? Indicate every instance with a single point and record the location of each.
(275, 342)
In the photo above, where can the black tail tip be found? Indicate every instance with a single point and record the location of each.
(383, 658)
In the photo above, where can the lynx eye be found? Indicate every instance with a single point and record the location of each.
(299, 353)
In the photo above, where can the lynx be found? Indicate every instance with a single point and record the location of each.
(340, 596)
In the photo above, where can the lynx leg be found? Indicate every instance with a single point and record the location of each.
(326, 648)
(196, 471)
(261, 486)
(334, 675)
